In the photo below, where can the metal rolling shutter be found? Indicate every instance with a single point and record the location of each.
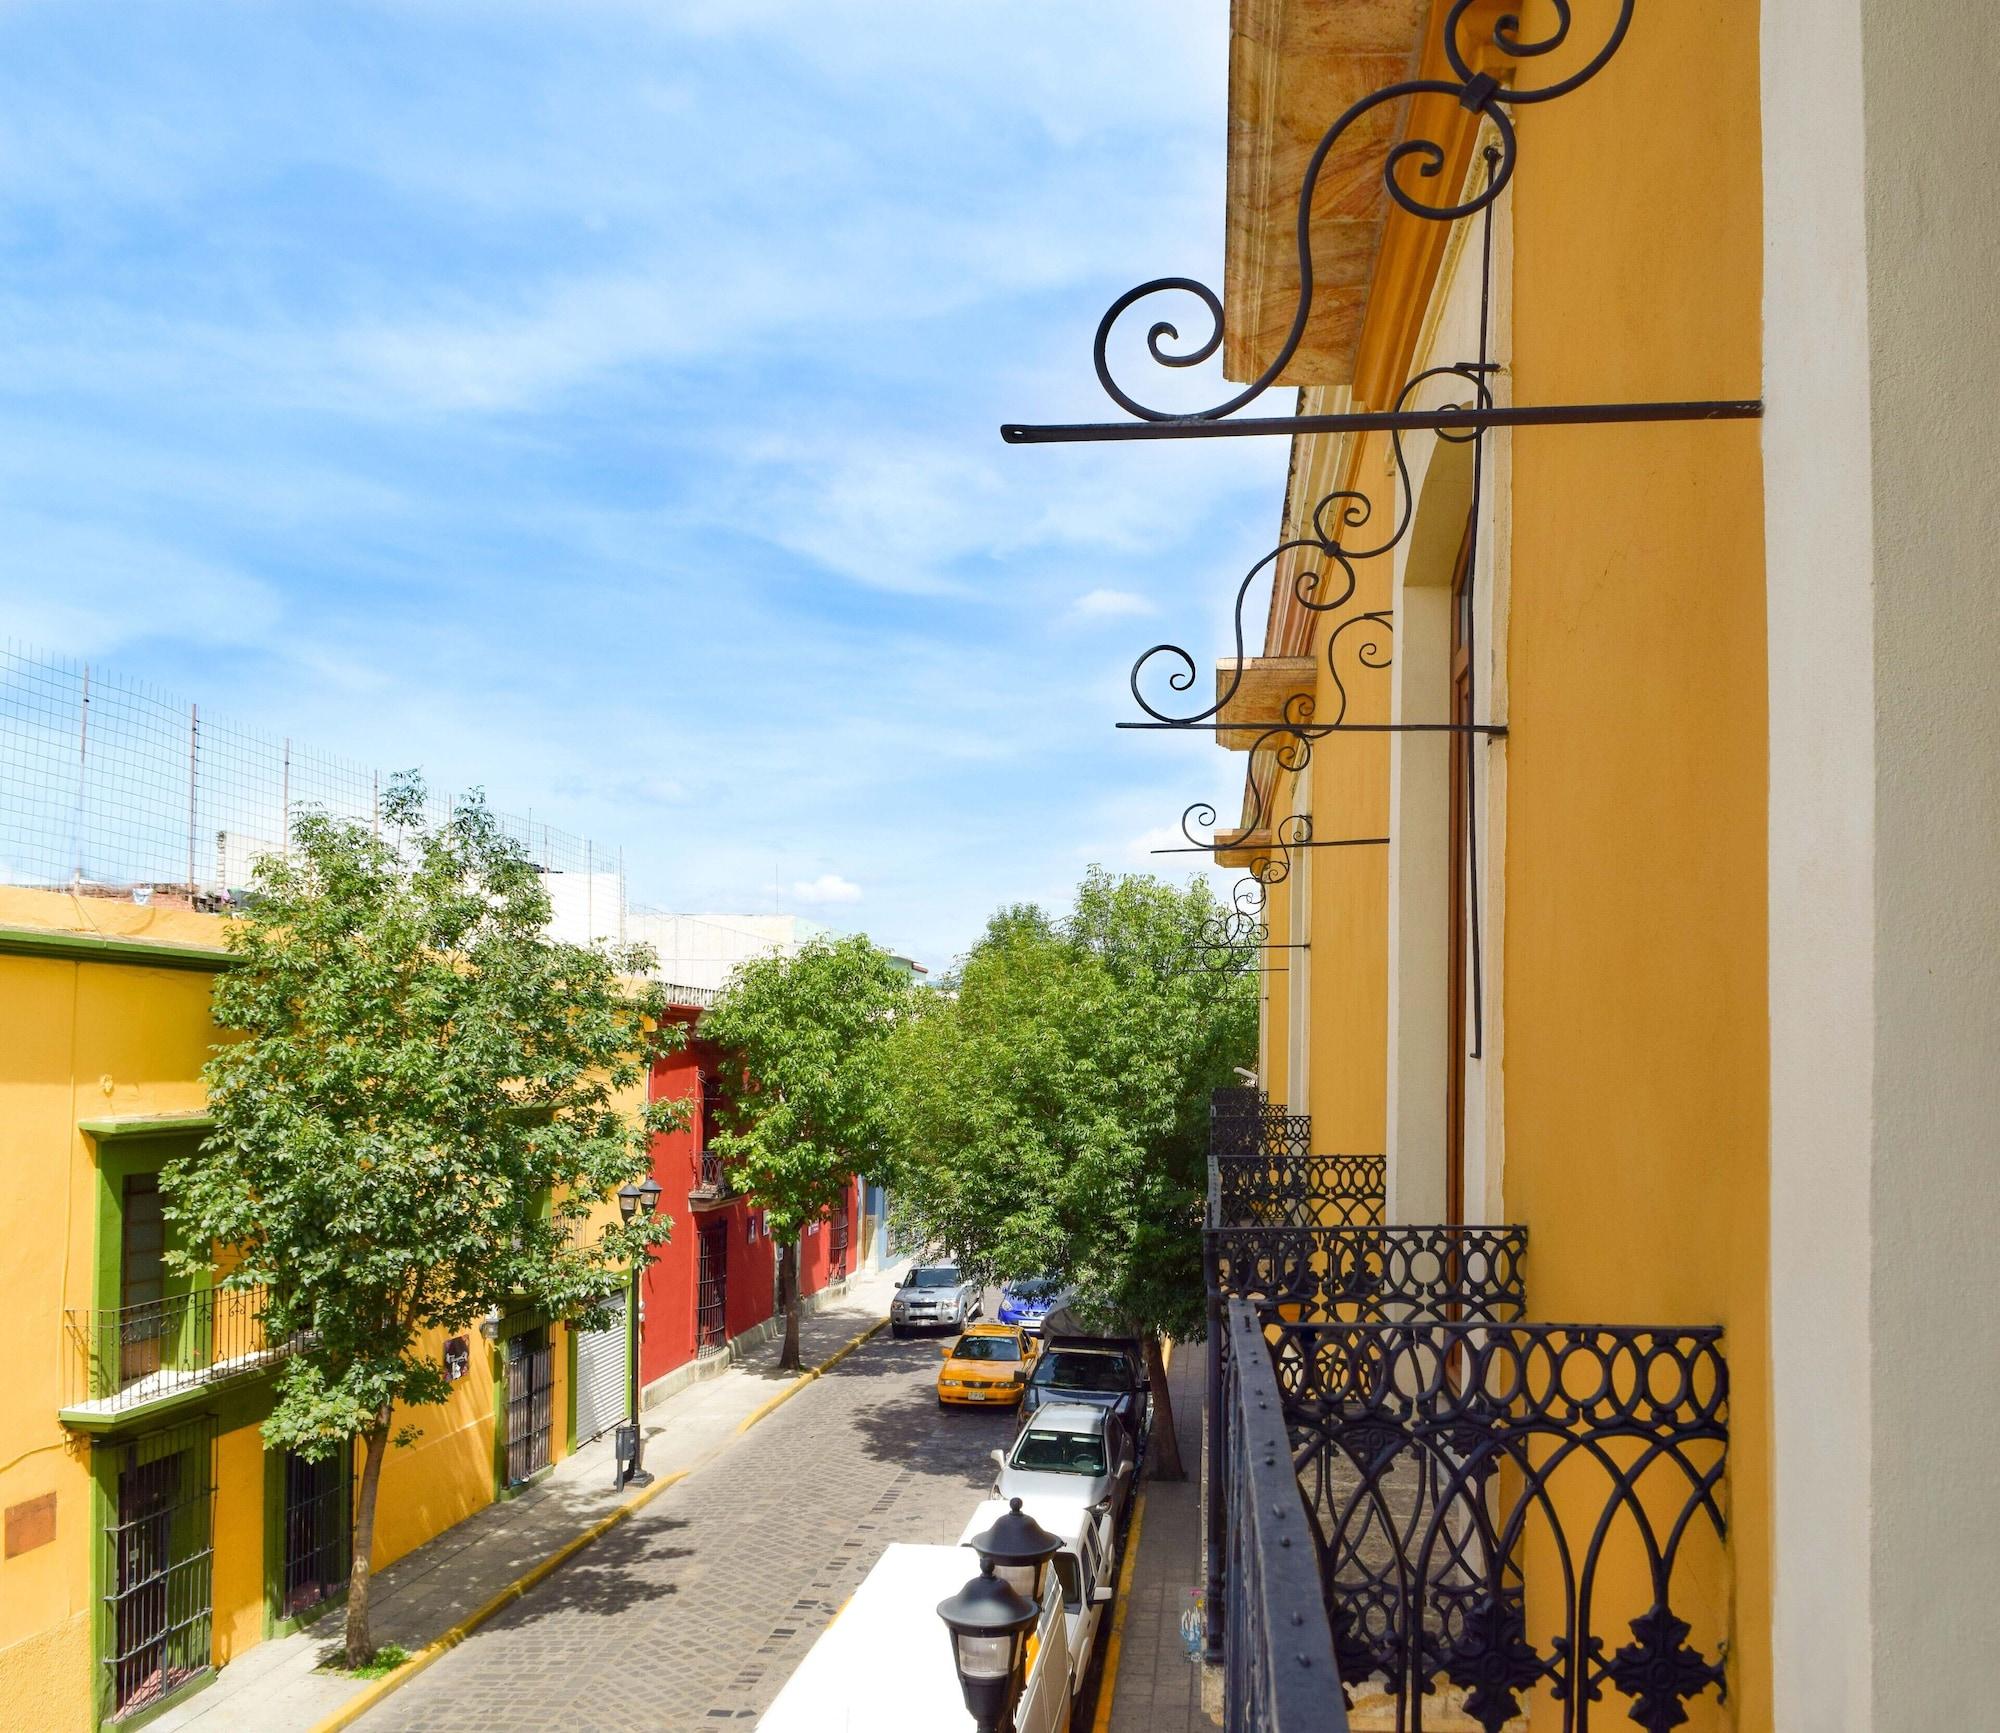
(601, 1370)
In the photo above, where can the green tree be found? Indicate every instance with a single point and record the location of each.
(804, 1110)
(420, 1114)
(1052, 1109)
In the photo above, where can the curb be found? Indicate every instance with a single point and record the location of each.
(1107, 1684)
(804, 1378)
(357, 1706)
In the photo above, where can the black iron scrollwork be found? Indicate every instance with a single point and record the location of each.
(1406, 165)
(1328, 574)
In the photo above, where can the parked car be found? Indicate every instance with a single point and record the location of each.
(1069, 1450)
(1029, 1299)
(988, 1366)
(1085, 1567)
(1095, 1372)
(934, 1294)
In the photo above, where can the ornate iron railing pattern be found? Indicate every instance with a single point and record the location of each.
(1270, 1132)
(1301, 1190)
(1463, 1479)
(1280, 1675)
(1374, 1273)
(123, 1357)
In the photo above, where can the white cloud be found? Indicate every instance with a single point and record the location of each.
(1111, 605)
(827, 888)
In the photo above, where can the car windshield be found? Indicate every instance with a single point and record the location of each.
(986, 1348)
(940, 1277)
(1060, 1453)
(1034, 1288)
(1102, 1374)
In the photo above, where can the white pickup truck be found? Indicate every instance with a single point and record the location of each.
(885, 1663)
(1083, 1569)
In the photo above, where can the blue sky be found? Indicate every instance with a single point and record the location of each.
(597, 401)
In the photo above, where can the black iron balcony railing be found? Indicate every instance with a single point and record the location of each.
(1500, 1509)
(1359, 1274)
(711, 1178)
(1284, 1190)
(1508, 1509)
(124, 1357)
(1280, 1674)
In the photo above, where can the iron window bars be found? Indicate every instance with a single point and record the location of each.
(315, 1531)
(530, 1404)
(158, 1571)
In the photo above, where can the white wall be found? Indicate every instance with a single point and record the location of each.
(1881, 379)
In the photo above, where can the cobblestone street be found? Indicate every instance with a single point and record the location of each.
(694, 1612)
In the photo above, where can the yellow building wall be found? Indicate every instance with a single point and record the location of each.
(239, 1543)
(1636, 1084)
(77, 1041)
(1349, 776)
(102, 1039)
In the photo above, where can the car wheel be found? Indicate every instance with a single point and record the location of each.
(899, 1331)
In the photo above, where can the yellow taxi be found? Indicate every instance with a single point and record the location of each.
(987, 1366)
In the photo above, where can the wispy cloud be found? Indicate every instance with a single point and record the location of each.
(1111, 605)
(598, 401)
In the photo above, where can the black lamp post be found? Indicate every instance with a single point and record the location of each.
(989, 1623)
(628, 1450)
(1020, 1549)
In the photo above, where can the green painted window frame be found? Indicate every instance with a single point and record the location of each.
(120, 1158)
(107, 1456)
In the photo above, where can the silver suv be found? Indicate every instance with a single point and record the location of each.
(934, 1294)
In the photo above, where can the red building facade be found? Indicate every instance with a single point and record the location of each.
(716, 1278)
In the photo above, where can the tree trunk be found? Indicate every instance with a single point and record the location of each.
(788, 1283)
(1166, 1446)
(360, 1648)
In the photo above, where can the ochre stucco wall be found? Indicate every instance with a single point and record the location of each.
(77, 1041)
(1636, 1084)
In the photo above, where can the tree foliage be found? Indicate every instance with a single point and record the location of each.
(1052, 1107)
(420, 1114)
(804, 1107)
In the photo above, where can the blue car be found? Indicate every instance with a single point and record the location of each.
(1028, 1301)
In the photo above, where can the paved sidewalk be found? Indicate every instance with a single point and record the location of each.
(276, 1687)
(1158, 1689)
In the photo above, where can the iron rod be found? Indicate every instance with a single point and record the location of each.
(1332, 842)
(1386, 420)
(1316, 731)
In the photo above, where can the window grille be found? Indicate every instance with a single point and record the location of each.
(315, 1529)
(530, 1404)
(159, 1564)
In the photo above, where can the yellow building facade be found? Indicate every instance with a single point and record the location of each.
(1620, 817)
(151, 1538)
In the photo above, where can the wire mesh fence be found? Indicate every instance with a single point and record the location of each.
(113, 788)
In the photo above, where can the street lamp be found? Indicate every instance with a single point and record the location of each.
(1020, 1549)
(989, 1623)
(628, 1450)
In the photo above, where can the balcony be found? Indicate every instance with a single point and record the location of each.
(126, 1358)
(711, 1179)
(1499, 1510)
